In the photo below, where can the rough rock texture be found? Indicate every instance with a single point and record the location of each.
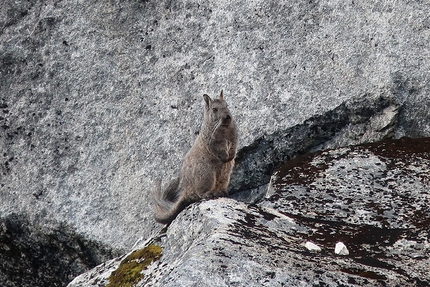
(373, 198)
(356, 121)
(98, 100)
(32, 255)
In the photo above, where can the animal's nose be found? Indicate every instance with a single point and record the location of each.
(227, 119)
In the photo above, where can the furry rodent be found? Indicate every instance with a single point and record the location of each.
(207, 166)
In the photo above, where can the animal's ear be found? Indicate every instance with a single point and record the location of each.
(221, 96)
(208, 100)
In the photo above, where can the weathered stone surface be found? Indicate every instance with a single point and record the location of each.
(98, 100)
(374, 197)
(32, 255)
(356, 121)
(383, 184)
(325, 198)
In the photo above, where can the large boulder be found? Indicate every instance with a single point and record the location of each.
(99, 100)
(34, 255)
(374, 199)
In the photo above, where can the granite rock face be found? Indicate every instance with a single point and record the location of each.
(99, 100)
(372, 198)
(33, 255)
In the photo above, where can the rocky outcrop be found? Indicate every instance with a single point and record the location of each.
(99, 100)
(375, 199)
(34, 255)
(355, 121)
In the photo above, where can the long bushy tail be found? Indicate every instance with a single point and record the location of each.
(168, 203)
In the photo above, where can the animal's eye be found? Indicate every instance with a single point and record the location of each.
(214, 110)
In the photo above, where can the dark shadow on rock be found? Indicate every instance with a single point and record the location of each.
(31, 256)
(348, 122)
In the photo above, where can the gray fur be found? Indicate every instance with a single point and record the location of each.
(207, 167)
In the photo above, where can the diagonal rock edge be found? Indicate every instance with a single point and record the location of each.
(224, 242)
(361, 120)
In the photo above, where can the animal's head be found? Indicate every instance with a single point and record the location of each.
(216, 110)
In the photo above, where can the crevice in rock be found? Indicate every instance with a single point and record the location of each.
(361, 120)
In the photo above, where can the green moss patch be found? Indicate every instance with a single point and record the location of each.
(129, 271)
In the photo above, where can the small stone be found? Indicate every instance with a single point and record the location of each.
(341, 249)
(312, 246)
